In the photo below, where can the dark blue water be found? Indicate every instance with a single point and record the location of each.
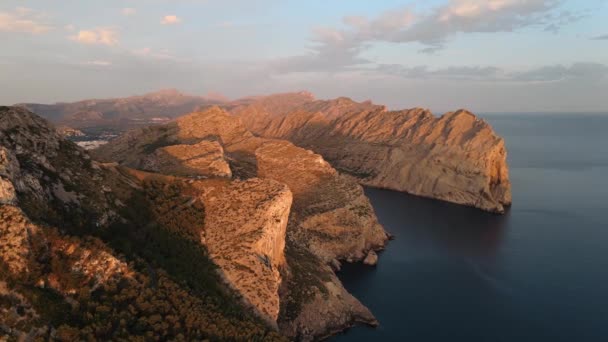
(538, 273)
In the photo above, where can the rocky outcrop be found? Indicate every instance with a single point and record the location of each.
(205, 159)
(371, 258)
(67, 131)
(53, 179)
(245, 234)
(59, 278)
(243, 228)
(330, 219)
(327, 310)
(174, 231)
(456, 157)
(334, 218)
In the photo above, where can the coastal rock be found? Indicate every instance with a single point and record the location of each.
(244, 232)
(243, 226)
(328, 310)
(184, 240)
(330, 217)
(371, 258)
(456, 157)
(331, 213)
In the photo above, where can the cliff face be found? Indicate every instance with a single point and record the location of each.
(456, 157)
(333, 215)
(165, 273)
(330, 218)
(242, 225)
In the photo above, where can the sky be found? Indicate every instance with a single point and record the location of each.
(486, 56)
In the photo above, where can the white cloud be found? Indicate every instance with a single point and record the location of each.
(69, 27)
(587, 72)
(97, 36)
(554, 73)
(98, 63)
(23, 20)
(162, 54)
(338, 49)
(128, 11)
(170, 20)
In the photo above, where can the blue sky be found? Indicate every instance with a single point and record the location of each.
(492, 55)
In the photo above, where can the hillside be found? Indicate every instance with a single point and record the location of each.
(331, 220)
(129, 111)
(96, 251)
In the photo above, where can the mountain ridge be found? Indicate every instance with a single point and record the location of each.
(455, 157)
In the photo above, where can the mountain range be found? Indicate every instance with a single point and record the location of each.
(227, 221)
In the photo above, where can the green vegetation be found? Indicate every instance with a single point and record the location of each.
(355, 173)
(305, 280)
(174, 292)
(162, 141)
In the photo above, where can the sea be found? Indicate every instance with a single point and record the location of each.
(538, 273)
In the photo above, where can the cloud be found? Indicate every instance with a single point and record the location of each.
(97, 36)
(127, 11)
(98, 63)
(170, 20)
(23, 20)
(331, 53)
(581, 71)
(460, 16)
(603, 37)
(551, 73)
(475, 73)
(334, 48)
(162, 54)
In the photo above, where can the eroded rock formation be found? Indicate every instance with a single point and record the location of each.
(456, 157)
(331, 219)
(60, 210)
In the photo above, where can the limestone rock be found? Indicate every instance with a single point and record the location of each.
(49, 174)
(205, 158)
(67, 131)
(330, 310)
(245, 235)
(330, 217)
(331, 213)
(51, 273)
(371, 258)
(456, 158)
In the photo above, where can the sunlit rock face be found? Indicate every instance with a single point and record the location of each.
(245, 234)
(456, 157)
(330, 218)
(84, 245)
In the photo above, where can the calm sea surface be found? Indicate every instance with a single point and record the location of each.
(538, 273)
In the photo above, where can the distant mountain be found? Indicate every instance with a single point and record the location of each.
(143, 109)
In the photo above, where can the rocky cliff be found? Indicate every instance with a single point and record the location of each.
(99, 251)
(330, 219)
(456, 157)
